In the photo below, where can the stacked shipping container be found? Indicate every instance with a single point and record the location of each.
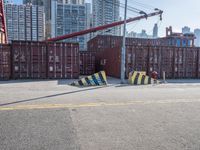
(5, 63)
(39, 60)
(87, 62)
(63, 60)
(177, 62)
(146, 55)
(29, 60)
(42, 60)
(101, 42)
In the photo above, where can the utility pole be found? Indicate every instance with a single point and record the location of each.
(123, 51)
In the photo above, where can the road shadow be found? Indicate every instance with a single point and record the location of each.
(24, 81)
(183, 81)
(66, 81)
(53, 95)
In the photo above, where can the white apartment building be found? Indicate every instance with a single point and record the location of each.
(68, 17)
(105, 12)
(25, 22)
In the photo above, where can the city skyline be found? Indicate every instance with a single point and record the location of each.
(177, 17)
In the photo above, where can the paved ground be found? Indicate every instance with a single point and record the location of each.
(50, 115)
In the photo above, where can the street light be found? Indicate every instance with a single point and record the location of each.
(123, 51)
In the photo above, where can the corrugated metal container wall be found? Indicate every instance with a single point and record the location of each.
(110, 61)
(176, 62)
(130, 59)
(191, 62)
(179, 62)
(154, 59)
(20, 60)
(63, 60)
(101, 42)
(38, 60)
(141, 58)
(29, 60)
(87, 62)
(167, 61)
(198, 62)
(5, 62)
(115, 41)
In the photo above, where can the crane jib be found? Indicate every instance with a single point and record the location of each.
(103, 27)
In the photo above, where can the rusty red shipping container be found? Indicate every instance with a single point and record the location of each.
(63, 60)
(5, 61)
(176, 62)
(101, 42)
(87, 62)
(167, 62)
(29, 60)
(198, 62)
(136, 58)
(110, 60)
(191, 62)
(38, 60)
(186, 62)
(154, 59)
(179, 62)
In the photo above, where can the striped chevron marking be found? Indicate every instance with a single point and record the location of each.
(96, 79)
(136, 78)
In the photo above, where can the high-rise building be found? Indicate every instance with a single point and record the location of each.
(155, 31)
(67, 18)
(143, 34)
(197, 40)
(185, 30)
(105, 12)
(24, 22)
(88, 20)
(47, 10)
(33, 2)
(132, 34)
(81, 2)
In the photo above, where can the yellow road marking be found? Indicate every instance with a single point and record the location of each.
(100, 104)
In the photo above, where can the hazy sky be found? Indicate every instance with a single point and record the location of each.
(177, 13)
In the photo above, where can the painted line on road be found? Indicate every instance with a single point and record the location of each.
(100, 104)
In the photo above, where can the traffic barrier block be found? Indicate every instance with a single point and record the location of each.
(139, 78)
(97, 79)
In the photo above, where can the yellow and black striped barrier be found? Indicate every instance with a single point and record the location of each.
(140, 78)
(97, 79)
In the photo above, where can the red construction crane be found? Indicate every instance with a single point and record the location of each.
(143, 16)
(3, 31)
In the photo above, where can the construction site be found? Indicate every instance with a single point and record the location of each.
(122, 93)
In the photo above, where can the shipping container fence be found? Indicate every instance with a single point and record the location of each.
(5, 62)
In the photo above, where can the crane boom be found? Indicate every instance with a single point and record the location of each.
(67, 36)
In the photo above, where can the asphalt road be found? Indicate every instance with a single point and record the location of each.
(50, 115)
